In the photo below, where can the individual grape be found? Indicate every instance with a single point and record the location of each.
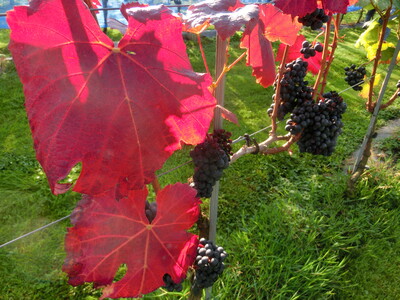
(355, 76)
(210, 159)
(170, 285)
(318, 47)
(315, 20)
(398, 84)
(209, 264)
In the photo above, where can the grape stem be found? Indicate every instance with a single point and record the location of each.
(264, 147)
(385, 20)
(89, 3)
(156, 185)
(277, 98)
(331, 56)
(226, 70)
(316, 38)
(324, 55)
(203, 225)
(203, 55)
(391, 100)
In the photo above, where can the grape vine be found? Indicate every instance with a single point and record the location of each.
(164, 88)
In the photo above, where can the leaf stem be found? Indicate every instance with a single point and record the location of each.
(277, 98)
(385, 20)
(236, 61)
(391, 100)
(324, 55)
(156, 185)
(227, 69)
(331, 55)
(89, 3)
(203, 55)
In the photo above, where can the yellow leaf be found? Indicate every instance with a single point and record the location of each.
(365, 91)
(371, 50)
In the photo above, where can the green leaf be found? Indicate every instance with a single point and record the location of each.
(381, 4)
(386, 52)
(370, 36)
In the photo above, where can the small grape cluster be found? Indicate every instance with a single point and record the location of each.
(223, 138)
(209, 264)
(320, 122)
(355, 76)
(294, 89)
(315, 20)
(308, 51)
(210, 159)
(170, 285)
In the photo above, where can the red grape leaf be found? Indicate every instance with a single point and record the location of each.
(335, 6)
(228, 115)
(260, 55)
(108, 233)
(296, 7)
(278, 26)
(219, 13)
(120, 111)
(126, 6)
(314, 63)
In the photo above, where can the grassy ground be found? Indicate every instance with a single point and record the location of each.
(285, 220)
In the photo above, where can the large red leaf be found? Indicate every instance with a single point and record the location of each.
(260, 55)
(302, 7)
(336, 6)
(314, 63)
(108, 233)
(296, 7)
(228, 16)
(121, 111)
(278, 26)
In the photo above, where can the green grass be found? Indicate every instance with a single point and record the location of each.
(285, 220)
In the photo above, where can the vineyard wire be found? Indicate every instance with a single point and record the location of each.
(240, 138)
(159, 175)
(112, 8)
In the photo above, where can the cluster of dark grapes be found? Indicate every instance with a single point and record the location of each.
(150, 210)
(210, 159)
(355, 76)
(223, 138)
(209, 264)
(315, 20)
(308, 51)
(320, 122)
(170, 285)
(294, 89)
